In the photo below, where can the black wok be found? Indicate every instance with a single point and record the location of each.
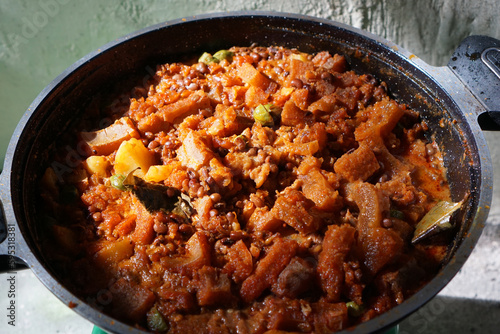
(454, 100)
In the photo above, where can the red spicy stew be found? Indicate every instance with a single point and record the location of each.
(256, 190)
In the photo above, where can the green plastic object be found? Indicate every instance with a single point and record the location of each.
(393, 330)
(97, 330)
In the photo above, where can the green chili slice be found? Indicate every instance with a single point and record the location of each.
(117, 181)
(155, 321)
(206, 58)
(354, 309)
(265, 114)
(223, 54)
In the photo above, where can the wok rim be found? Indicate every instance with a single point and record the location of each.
(381, 322)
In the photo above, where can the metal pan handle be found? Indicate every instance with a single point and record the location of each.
(10, 260)
(477, 63)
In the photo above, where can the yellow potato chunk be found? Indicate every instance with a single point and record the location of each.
(194, 153)
(114, 252)
(131, 155)
(97, 164)
(158, 173)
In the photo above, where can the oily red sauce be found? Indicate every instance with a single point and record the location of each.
(301, 184)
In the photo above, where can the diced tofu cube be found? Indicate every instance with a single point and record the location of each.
(221, 174)
(240, 262)
(316, 187)
(253, 77)
(255, 96)
(383, 117)
(293, 208)
(144, 232)
(263, 220)
(114, 252)
(203, 206)
(107, 140)
(268, 268)
(184, 107)
(380, 247)
(329, 317)
(194, 153)
(292, 115)
(198, 254)
(131, 301)
(327, 104)
(173, 112)
(214, 287)
(298, 68)
(336, 246)
(153, 123)
(371, 204)
(358, 165)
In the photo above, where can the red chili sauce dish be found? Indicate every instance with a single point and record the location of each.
(253, 190)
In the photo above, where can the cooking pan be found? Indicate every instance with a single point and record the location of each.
(455, 101)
